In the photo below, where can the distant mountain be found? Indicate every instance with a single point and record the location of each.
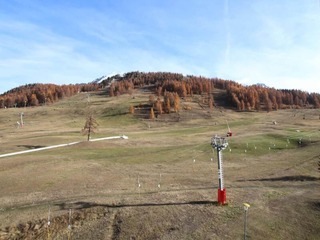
(107, 78)
(261, 85)
(99, 80)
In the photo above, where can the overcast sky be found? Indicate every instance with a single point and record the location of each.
(248, 41)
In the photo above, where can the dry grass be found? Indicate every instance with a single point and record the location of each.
(280, 183)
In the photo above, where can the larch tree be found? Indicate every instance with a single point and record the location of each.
(167, 105)
(34, 100)
(210, 103)
(151, 115)
(242, 104)
(90, 126)
(131, 109)
(176, 102)
(158, 106)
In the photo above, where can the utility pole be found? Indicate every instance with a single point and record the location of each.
(220, 143)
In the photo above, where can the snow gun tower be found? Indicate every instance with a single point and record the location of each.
(220, 143)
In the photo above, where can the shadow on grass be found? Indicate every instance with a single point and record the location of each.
(315, 205)
(284, 178)
(85, 205)
(115, 114)
(31, 146)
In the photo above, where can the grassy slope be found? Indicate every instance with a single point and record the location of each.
(263, 167)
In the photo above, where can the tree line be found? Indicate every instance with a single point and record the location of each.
(242, 98)
(256, 97)
(41, 94)
(169, 88)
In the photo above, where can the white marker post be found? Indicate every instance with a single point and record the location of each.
(21, 119)
(69, 225)
(246, 208)
(49, 222)
(139, 185)
(159, 184)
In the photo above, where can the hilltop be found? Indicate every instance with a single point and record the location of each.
(169, 89)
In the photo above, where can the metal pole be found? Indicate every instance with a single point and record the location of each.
(245, 224)
(220, 171)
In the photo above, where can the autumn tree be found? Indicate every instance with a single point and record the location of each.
(1, 103)
(151, 99)
(131, 109)
(167, 104)
(176, 102)
(90, 126)
(34, 100)
(183, 90)
(248, 106)
(158, 106)
(159, 91)
(151, 115)
(210, 103)
(236, 101)
(35, 94)
(112, 90)
(274, 103)
(267, 101)
(242, 105)
(316, 100)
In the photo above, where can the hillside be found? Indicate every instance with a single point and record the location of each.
(32, 95)
(168, 89)
(243, 98)
(162, 182)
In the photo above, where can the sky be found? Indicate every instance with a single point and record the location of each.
(248, 41)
